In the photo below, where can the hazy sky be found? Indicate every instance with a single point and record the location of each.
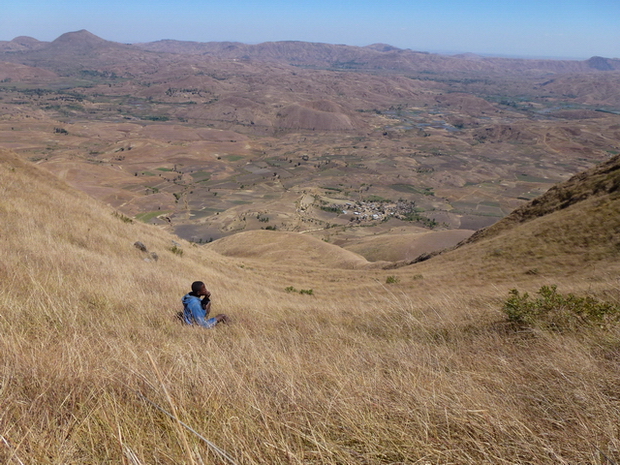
(538, 28)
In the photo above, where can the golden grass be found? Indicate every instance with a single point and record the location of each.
(293, 249)
(396, 247)
(360, 372)
(581, 241)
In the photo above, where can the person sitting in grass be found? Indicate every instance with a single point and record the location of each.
(196, 310)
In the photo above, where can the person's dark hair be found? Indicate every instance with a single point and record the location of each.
(196, 286)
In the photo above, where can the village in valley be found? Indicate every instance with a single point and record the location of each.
(377, 211)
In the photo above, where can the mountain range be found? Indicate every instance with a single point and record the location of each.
(376, 57)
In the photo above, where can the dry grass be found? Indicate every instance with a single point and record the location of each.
(360, 372)
(293, 249)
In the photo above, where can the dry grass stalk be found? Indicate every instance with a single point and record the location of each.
(13, 451)
(174, 414)
(175, 417)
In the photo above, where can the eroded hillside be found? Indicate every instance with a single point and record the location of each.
(208, 140)
(599, 185)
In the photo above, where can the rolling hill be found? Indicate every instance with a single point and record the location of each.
(289, 249)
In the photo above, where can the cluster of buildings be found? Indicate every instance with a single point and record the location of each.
(363, 211)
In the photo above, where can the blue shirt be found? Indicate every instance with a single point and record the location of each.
(193, 313)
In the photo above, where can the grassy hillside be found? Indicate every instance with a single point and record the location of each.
(288, 248)
(415, 365)
(601, 182)
(571, 230)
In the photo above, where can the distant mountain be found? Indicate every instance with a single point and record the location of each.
(382, 48)
(82, 50)
(70, 53)
(20, 43)
(291, 52)
(603, 64)
(80, 40)
(26, 41)
(376, 57)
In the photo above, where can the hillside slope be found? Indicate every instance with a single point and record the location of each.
(602, 181)
(289, 249)
(572, 229)
(361, 371)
